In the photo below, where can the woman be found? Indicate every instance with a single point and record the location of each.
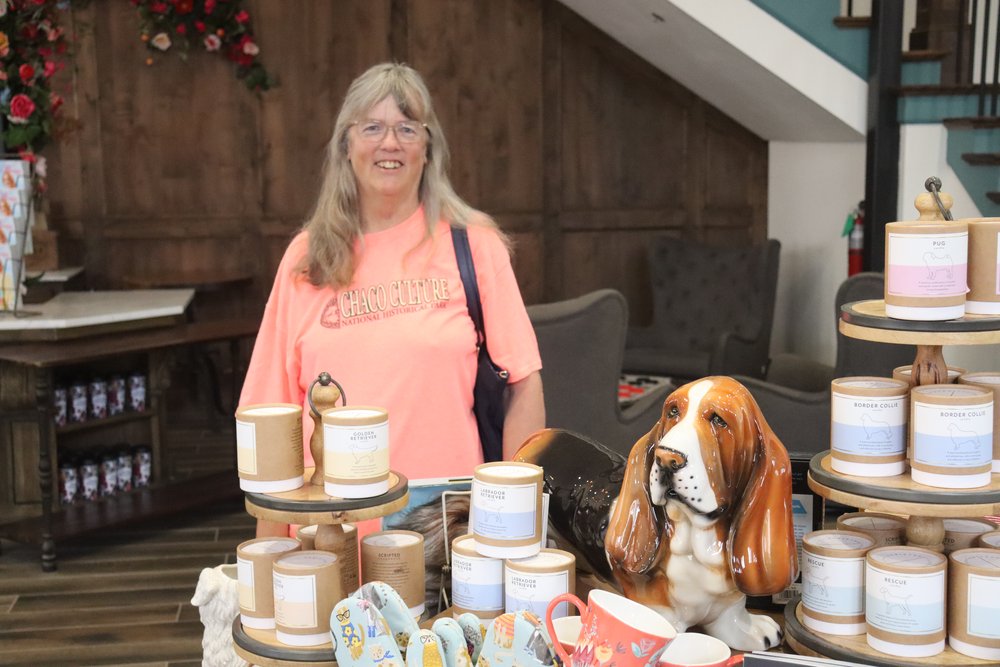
(370, 290)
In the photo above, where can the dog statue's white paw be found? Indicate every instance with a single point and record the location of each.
(744, 631)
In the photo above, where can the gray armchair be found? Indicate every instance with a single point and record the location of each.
(713, 309)
(581, 342)
(795, 399)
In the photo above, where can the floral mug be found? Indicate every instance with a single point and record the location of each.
(614, 632)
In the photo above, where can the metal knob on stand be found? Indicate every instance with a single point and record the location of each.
(323, 394)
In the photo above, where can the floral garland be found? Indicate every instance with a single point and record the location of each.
(32, 45)
(219, 26)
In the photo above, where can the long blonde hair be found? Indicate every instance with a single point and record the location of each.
(335, 223)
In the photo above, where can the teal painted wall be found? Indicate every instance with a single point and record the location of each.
(813, 20)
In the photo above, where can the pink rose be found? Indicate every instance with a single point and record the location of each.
(21, 108)
(250, 48)
(50, 69)
(242, 16)
(212, 43)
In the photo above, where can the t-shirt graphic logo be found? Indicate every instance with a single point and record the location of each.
(330, 317)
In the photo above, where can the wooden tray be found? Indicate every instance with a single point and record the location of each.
(854, 648)
(309, 504)
(900, 494)
(262, 648)
(867, 320)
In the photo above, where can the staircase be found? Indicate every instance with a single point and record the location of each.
(935, 87)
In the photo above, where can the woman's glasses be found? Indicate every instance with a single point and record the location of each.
(407, 131)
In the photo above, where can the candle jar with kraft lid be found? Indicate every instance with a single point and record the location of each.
(507, 509)
(531, 583)
(905, 373)
(833, 581)
(990, 540)
(905, 601)
(984, 267)
(926, 264)
(952, 435)
(476, 580)
(306, 588)
(887, 530)
(974, 603)
(269, 447)
(356, 451)
(989, 380)
(396, 557)
(254, 562)
(963, 533)
(868, 426)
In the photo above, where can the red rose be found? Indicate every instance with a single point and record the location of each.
(209, 6)
(199, 26)
(184, 6)
(21, 108)
(242, 16)
(55, 101)
(44, 51)
(26, 72)
(50, 69)
(181, 29)
(158, 7)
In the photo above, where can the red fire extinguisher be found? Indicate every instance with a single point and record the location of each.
(855, 239)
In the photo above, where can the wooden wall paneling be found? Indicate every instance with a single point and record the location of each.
(482, 63)
(179, 138)
(551, 251)
(315, 51)
(615, 259)
(732, 178)
(624, 127)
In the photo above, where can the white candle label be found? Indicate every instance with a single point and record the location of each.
(533, 592)
(246, 447)
(505, 512)
(869, 426)
(244, 571)
(952, 435)
(984, 606)
(477, 583)
(356, 452)
(833, 585)
(295, 600)
(905, 603)
(927, 264)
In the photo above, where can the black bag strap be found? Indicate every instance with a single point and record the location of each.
(466, 268)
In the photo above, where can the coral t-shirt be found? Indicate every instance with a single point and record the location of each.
(399, 337)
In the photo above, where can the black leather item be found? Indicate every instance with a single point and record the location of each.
(491, 380)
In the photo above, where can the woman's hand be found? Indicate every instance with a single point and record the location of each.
(525, 413)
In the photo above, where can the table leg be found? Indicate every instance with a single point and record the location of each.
(42, 401)
(929, 366)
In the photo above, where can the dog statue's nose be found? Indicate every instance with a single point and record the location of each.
(671, 458)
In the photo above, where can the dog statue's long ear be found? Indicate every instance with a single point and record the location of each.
(635, 527)
(762, 548)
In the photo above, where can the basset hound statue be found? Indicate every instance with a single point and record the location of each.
(697, 517)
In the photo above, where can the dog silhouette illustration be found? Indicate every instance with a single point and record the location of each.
(962, 438)
(819, 586)
(364, 449)
(491, 510)
(896, 601)
(875, 430)
(938, 263)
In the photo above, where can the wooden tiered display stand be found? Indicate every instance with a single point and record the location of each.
(309, 505)
(926, 506)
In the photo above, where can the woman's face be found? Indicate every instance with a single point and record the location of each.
(389, 167)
